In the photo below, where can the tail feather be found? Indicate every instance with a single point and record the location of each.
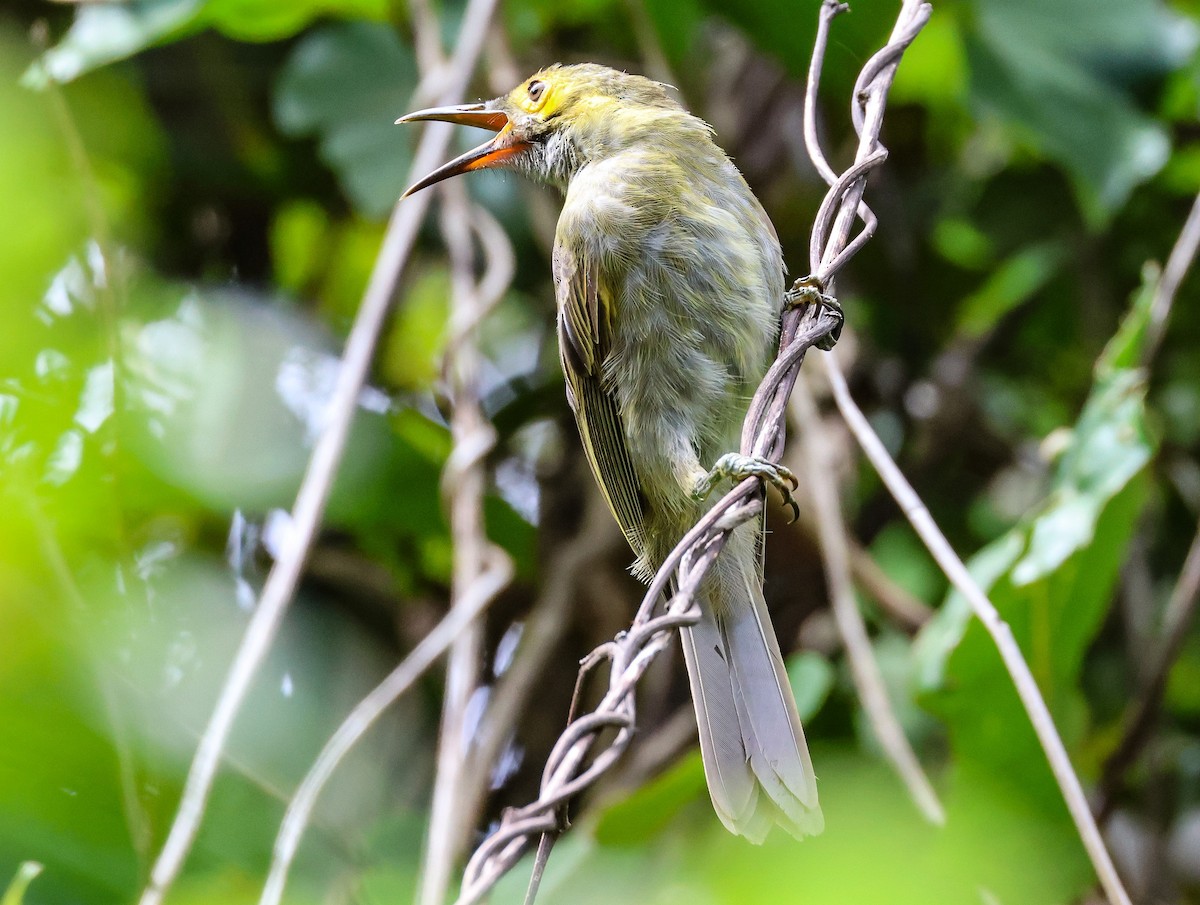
(771, 728)
(755, 758)
(733, 787)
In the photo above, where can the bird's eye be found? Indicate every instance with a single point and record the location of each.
(536, 89)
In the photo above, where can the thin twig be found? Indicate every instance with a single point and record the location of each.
(1176, 620)
(1031, 698)
(548, 620)
(463, 482)
(1178, 264)
(867, 112)
(545, 844)
(897, 603)
(26, 874)
(427, 37)
(1139, 609)
(491, 573)
(318, 477)
(462, 487)
(1181, 606)
(364, 715)
(868, 680)
(830, 10)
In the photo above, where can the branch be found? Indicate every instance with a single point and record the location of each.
(1010, 652)
(481, 569)
(1177, 618)
(831, 534)
(548, 620)
(318, 477)
(903, 607)
(463, 483)
(867, 113)
(829, 249)
(1181, 607)
(364, 715)
(1178, 264)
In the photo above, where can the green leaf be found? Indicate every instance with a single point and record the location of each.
(329, 261)
(1063, 75)
(412, 353)
(636, 855)
(103, 33)
(1183, 684)
(1182, 173)
(345, 84)
(944, 632)
(1010, 284)
(962, 242)
(812, 679)
(1053, 620)
(1111, 446)
(33, 167)
(299, 235)
(514, 534)
(676, 23)
(226, 395)
(532, 19)
(270, 20)
(935, 74)
(900, 553)
(1124, 350)
(648, 811)
(1051, 578)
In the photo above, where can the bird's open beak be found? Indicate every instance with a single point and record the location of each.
(488, 154)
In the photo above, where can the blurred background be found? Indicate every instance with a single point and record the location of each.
(195, 193)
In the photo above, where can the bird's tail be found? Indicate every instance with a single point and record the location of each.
(755, 759)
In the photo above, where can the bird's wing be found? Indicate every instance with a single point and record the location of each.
(584, 331)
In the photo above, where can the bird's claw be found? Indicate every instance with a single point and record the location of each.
(809, 291)
(737, 468)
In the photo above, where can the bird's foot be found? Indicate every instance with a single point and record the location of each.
(809, 291)
(737, 468)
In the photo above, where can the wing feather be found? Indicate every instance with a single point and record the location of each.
(584, 345)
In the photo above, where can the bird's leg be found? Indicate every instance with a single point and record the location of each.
(737, 468)
(809, 291)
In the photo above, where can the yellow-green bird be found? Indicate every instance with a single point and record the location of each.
(670, 286)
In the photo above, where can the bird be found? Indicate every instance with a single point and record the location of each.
(669, 282)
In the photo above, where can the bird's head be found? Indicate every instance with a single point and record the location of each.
(560, 119)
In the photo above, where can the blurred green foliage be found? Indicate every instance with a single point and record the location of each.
(195, 192)
(345, 84)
